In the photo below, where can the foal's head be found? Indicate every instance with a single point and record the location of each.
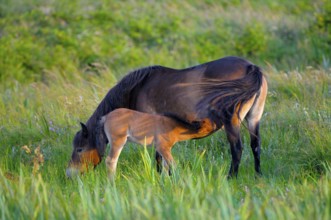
(84, 154)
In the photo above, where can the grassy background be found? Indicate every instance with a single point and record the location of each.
(58, 59)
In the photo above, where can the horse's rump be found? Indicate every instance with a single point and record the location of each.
(221, 98)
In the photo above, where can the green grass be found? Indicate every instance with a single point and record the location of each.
(58, 60)
(43, 38)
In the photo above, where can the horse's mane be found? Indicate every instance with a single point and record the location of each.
(121, 95)
(193, 126)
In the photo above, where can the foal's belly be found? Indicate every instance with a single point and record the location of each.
(142, 140)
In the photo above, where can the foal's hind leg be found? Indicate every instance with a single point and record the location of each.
(168, 161)
(158, 158)
(164, 151)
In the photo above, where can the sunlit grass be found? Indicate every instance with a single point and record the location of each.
(192, 195)
(43, 38)
(296, 160)
(57, 63)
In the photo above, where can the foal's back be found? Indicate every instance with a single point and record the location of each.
(137, 126)
(144, 128)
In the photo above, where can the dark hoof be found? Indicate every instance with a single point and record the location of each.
(231, 177)
(258, 175)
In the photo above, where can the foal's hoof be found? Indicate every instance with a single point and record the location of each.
(111, 177)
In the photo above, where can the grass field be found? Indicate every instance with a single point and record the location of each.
(58, 59)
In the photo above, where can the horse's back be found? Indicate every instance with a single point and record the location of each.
(227, 68)
(178, 91)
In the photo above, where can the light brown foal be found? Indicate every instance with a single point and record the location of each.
(122, 125)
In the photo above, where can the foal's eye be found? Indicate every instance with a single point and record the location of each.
(79, 150)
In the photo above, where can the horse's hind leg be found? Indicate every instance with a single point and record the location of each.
(254, 129)
(232, 129)
(233, 135)
(253, 120)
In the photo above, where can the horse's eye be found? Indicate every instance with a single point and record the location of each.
(79, 150)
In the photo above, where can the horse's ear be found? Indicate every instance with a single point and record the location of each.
(84, 130)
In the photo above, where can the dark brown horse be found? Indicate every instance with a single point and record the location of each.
(227, 91)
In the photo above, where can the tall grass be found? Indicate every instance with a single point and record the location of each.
(200, 195)
(43, 38)
(296, 160)
(58, 60)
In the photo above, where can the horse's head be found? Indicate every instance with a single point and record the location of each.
(84, 155)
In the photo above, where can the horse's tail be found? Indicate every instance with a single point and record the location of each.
(192, 126)
(221, 98)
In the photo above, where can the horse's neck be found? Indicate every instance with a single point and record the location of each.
(104, 108)
(97, 136)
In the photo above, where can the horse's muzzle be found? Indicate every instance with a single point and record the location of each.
(72, 172)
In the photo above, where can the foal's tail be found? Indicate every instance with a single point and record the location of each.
(221, 98)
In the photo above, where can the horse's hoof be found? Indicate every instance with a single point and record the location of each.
(258, 175)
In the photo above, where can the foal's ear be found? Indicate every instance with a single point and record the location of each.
(84, 130)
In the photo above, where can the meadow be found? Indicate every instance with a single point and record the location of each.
(59, 58)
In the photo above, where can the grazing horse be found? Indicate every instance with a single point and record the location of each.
(226, 91)
(122, 125)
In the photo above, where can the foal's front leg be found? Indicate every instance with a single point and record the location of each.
(115, 151)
